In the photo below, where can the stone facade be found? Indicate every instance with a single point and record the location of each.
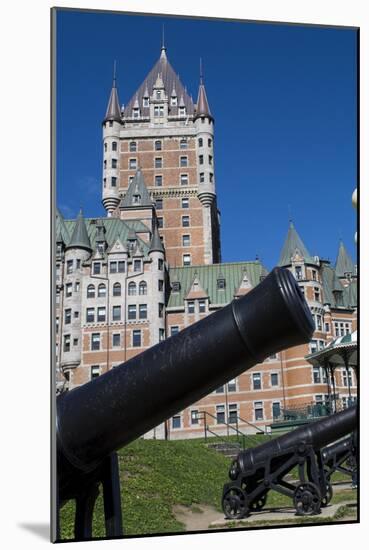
(152, 266)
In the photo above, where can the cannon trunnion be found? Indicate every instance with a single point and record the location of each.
(257, 471)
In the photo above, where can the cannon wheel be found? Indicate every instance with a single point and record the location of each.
(259, 503)
(328, 496)
(234, 503)
(307, 499)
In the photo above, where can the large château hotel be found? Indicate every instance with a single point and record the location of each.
(152, 266)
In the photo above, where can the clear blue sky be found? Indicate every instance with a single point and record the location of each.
(284, 102)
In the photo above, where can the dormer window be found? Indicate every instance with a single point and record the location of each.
(176, 286)
(145, 102)
(221, 283)
(173, 101)
(136, 199)
(158, 94)
(136, 113)
(182, 111)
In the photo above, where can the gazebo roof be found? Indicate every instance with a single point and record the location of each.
(334, 353)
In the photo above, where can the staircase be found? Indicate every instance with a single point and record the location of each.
(230, 450)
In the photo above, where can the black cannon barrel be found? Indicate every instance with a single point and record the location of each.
(317, 434)
(337, 449)
(101, 416)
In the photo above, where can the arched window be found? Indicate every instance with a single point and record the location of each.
(101, 291)
(117, 291)
(132, 290)
(142, 289)
(90, 291)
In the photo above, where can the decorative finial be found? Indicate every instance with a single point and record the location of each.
(115, 73)
(163, 48)
(289, 214)
(201, 73)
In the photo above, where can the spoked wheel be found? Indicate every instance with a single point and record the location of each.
(235, 503)
(328, 496)
(307, 499)
(259, 503)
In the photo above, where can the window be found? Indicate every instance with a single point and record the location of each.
(158, 145)
(160, 222)
(191, 307)
(316, 294)
(96, 268)
(160, 285)
(158, 181)
(137, 265)
(90, 291)
(95, 371)
(130, 179)
(347, 328)
(66, 346)
(185, 203)
(174, 330)
(136, 338)
(194, 417)
(75, 341)
(104, 182)
(313, 273)
(67, 316)
(114, 146)
(158, 94)
(256, 381)
(209, 142)
(69, 266)
(298, 272)
(68, 290)
(182, 111)
(132, 147)
(186, 240)
(132, 312)
(95, 341)
(318, 322)
(101, 291)
(347, 379)
(145, 102)
(211, 177)
(142, 311)
(173, 101)
(113, 267)
(116, 313)
(258, 410)
(105, 147)
(142, 288)
(276, 410)
(200, 142)
(114, 163)
(232, 413)
(159, 204)
(57, 323)
(113, 181)
(105, 164)
(202, 177)
(232, 385)
(158, 162)
(161, 334)
(274, 379)
(184, 179)
(136, 112)
(132, 164)
(158, 110)
(316, 375)
(160, 264)
(202, 306)
(116, 340)
(221, 284)
(183, 161)
(220, 414)
(186, 259)
(302, 290)
(76, 314)
(132, 289)
(185, 221)
(160, 310)
(176, 422)
(110, 123)
(201, 159)
(117, 289)
(101, 314)
(210, 160)
(326, 327)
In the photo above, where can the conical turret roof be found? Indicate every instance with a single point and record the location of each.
(137, 188)
(344, 263)
(202, 106)
(156, 245)
(293, 242)
(113, 109)
(80, 238)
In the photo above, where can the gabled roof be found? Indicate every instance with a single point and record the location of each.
(344, 263)
(196, 290)
(208, 275)
(137, 187)
(170, 80)
(80, 238)
(293, 242)
(113, 109)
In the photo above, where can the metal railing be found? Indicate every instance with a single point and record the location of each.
(312, 410)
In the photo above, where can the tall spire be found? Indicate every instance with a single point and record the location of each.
(202, 106)
(292, 242)
(113, 109)
(344, 263)
(80, 238)
(163, 54)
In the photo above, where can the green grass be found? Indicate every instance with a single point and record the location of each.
(156, 475)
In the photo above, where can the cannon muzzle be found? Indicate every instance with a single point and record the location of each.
(101, 416)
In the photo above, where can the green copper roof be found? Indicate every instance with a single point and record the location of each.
(344, 263)
(114, 228)
(137, 194)
(233, 274)
(80, 238)
(156, 245)
(61, 230)
(293, 242)
(332, 284)
(350, 294)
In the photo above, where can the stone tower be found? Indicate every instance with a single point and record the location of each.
(162, 132)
